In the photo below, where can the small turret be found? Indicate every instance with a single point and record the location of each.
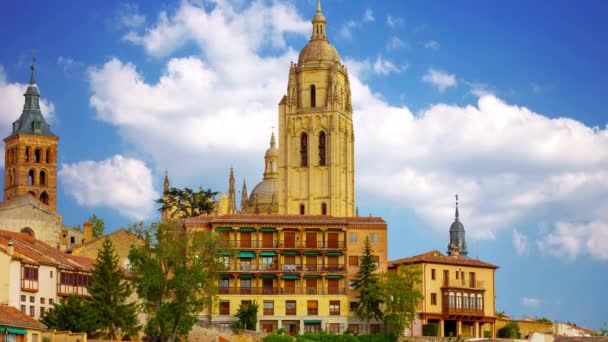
(231, 194)
(457, 246)
(244, 198)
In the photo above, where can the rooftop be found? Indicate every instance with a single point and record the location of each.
(435, 257)
(12, 317)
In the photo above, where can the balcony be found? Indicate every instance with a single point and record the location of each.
(462, 311)
(463, 283)
(29, 285)
(238, 267)
(283, 244)
(281, 291)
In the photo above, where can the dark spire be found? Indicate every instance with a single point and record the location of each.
(166, 182)
(457, 235)
(231, 193)
(32, 78)
(244, 203)
(457, 215)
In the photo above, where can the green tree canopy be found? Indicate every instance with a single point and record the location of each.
(187, 202)
(109, 294)
(99, 225)
(74, 314)
(401, 295)
(248, 315)
(368, 287)
(175, 274)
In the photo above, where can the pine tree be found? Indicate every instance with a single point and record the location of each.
(109, 294)
(367, 283)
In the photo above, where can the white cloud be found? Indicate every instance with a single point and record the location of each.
(12, 104)
(129, 16)
(384, 67)
(520, 242)
(530, 302)
(394, 22)
(432, 44)
(119, 183)
(395, 43)
(440, 79)
(347, 28)
(569, 240)
(368, 15)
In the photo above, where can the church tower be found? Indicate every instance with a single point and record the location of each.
(30, 164)
(457, 238)
(316, 138)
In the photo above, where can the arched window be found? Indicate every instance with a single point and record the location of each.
(452, 300)
(44, 197)
(14, 177)
(302, 209)
(323, 208)
(304, 150)
(42, 178)
(27, 231)
(465, 301)
(30, 177)
(473, 305)
(313, 96)
(10, 177)
(322, 153)
(458, 300)
(48, 156)
(37, 155)
(27, 154)
(479, 302)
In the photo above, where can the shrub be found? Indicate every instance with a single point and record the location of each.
(277, 338)
(510, 330)
(430, 329)
(487, 334)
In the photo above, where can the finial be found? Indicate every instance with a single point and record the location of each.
(166, 183)
(32, 67)
(457, 215)
(318, 5)
(273, 142)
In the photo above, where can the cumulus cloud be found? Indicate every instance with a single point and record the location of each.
(394, 22)
(119, 183)
(530, 302)
(432, 44)
(384, 67)
(346, 30)
(129, 16)
(11, 94)
(395, 43)
(520, 242)
(368, 15)
(569, 240)
(440, 79)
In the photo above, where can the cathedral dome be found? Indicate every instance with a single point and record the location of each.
(318, 50)
(265, 195)
(457, 226)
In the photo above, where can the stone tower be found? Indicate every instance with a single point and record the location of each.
(31, 153)
(316, 138)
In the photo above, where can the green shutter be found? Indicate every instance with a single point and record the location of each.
(268, 229)
(290, 277)
(246, 229)
(228, 229)
(246, 254)
(225, 276)
(334, 253)
(312, 253)
(245, 276)
(17, 331)
(312, 321)
(268, 276)
(268, 253)
(290, 253)
(312, 276)
(334, 276)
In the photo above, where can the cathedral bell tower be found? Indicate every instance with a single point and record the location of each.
(316, 138)
(30, 164)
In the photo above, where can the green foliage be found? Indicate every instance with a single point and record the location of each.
(281, 331)
(74, 313)
(430, 329)
(510, 330)
(501, 314)
(187, 202)
(77, 227)
(277, 338)
(175, 273)
(377, 338)
(109, 294)
(487, 334)
(543, 320)
(401, 296)
(328, 337)
(99, 225)
(368, 287)
(604, 331)
(248, 315)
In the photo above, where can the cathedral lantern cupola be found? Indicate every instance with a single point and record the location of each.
(31, 152)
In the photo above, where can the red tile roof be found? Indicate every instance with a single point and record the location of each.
(33, 251)
(284, 219)
(10, 316)
(435, 257)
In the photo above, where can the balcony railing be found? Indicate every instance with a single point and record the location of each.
(29, 285)
(65, 290)
(238, 267)
(313, 312)
(463, 283)
(281, 291)
(283, 244)
(462, 311)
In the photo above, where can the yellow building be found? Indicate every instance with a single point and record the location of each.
(458, 291)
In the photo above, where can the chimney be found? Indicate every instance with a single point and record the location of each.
(11, 248)
(88, 231)
(454, 252)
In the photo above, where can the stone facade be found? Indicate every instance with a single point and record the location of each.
(122, 240)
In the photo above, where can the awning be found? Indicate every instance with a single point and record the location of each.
(245, 276)
(290, 253)
(312, 321)
(17, 331)
(334, 276)
(223, 253)
(268, 229)
(243, 254)
(312, 276)
(268, 253)
(225, 276)
(246, 229)
(225, 229)
(268, 276)
(334, 253)
(312, 253)
(290, 277)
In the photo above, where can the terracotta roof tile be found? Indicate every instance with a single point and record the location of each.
(12, 317)
(283, 219)
(436, 257)
(35, 251)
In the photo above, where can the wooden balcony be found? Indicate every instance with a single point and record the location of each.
(452, 311)
(462, 283)
(286, 244)
(29, 285)
(300, 291)
(239, 267)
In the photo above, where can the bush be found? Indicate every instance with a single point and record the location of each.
(487, 334)
(377, 338)
(277, 338)
(511, 330)
(430, 329)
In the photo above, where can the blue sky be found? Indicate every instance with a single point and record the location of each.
(502, 103)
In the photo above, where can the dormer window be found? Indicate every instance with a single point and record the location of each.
(36, 126)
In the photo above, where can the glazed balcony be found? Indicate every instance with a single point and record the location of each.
(287, 268)
(281, 291)
(285, 244)
(460, 283)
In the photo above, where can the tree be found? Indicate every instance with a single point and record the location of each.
(604, 331)
(510, 330)
(248, 315)
(187, 202)
(99, 225)
(543, 320)
(74, 314)
(401, 295)
(109, 294)
(175, 274)
(367, 284)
